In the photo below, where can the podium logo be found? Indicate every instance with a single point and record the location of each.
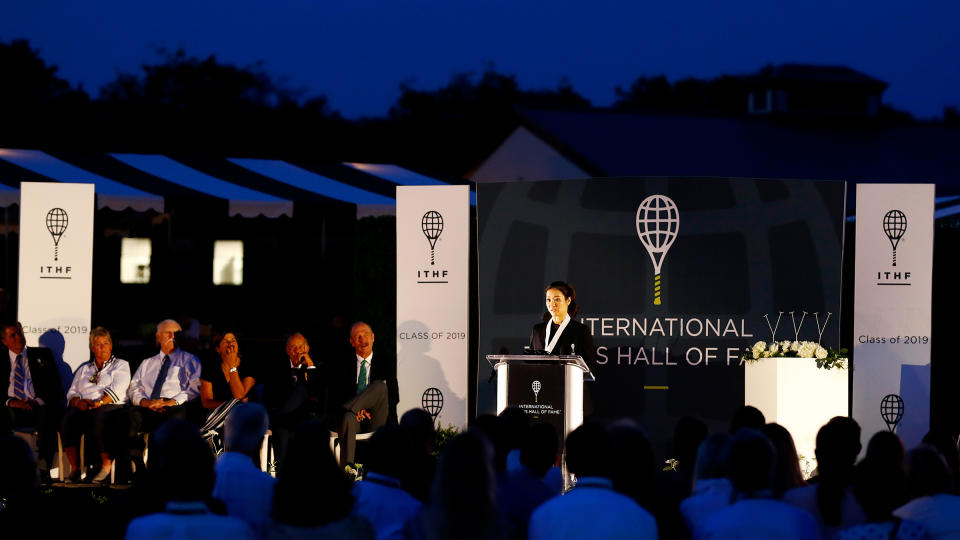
(57, 221)
(658, 221)
(894, 225)
(536, 391)
(432, 226)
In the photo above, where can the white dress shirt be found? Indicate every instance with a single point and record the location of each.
(937, 513)
(114, 381)
(709, 495)
(28, 380)
(591, 510)
(246, 491)
(369, 360)
(181, 385)
(186, 521)
(380, 499)
(765, 519)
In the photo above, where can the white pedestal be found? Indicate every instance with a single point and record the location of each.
(796, 394)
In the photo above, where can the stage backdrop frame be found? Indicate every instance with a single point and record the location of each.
(56, 268)
(744, 248)
(433, 288)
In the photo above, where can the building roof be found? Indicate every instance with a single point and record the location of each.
(809, 73)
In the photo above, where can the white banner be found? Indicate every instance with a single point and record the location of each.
(892, 306)
(433, 279)
(56, 268)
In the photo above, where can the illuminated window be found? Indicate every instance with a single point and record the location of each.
(228, 262)
(135, 260)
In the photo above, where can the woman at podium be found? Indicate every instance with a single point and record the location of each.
(559, 333)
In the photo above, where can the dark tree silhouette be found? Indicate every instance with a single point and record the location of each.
(725, 95)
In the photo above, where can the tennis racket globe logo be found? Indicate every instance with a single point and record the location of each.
(658, 221)
(894, 225)
(536, 391)
(432, 226)
(57, 221)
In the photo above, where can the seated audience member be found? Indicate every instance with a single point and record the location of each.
(515, 425)
(34, 397)
(463, 501)
(418, 475)
(930, 486)
(163, 384)
(535, 453)
(754, 512)
(712, 489)
(379, 497)
(244, 489)
(592, 509)
(301, 508)
(181, 469)
(633, 462)
(831, 500)
(225, 381)
(21, 507)
(946, 444)
(787, 473)
(879, 483)
(672, 486)
(95, 404)
(747, 416)
(292, 392)
(521, 491)
(363, 388)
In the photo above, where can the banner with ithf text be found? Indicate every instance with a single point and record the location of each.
(892, 306)
(433, 239)
(56, 268)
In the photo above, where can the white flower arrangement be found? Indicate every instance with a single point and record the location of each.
(826, 358)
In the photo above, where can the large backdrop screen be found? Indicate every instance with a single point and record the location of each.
(668, 339)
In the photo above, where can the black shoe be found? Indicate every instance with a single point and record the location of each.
(74, 478)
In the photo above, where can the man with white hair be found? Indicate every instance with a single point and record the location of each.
(246, 491)
(164, 383)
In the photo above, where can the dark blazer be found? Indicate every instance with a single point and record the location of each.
(286, 389)
(43, 372)
(343, 380)
(574, 334)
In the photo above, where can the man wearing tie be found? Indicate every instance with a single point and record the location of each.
(34, 393)
(363, 389)
(163, 383)
(292, 392)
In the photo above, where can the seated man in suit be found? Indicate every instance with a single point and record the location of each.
(164, 383)
(362, 388)
(34, 392)
(292, 392)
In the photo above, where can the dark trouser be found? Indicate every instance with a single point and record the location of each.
(375, 400)
(107, 424)
(45, 421)
(144, 420)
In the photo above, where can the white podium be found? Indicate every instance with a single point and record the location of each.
(798, 395)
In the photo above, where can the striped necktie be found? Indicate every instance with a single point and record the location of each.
(362, 378)
(20, 379)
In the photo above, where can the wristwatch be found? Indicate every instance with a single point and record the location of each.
(233, 370)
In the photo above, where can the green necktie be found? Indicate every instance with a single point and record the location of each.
(362, 378)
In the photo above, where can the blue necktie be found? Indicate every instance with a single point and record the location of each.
(20, 379)
(161, 376)
(362, 379)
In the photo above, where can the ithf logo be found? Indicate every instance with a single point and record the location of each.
(894, 225)
(536, 386)
(57, 221)
(658, 221)
(56, 224)
(432, 225)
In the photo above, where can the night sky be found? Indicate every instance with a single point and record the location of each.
(357, 53)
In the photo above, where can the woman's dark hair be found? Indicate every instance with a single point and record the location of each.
(181, 465)
(568, 292)
(311, 489)
(219, 335)
(927, 472)
(838, 444)
(879, 480)
(463, 497)
(786, 471)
